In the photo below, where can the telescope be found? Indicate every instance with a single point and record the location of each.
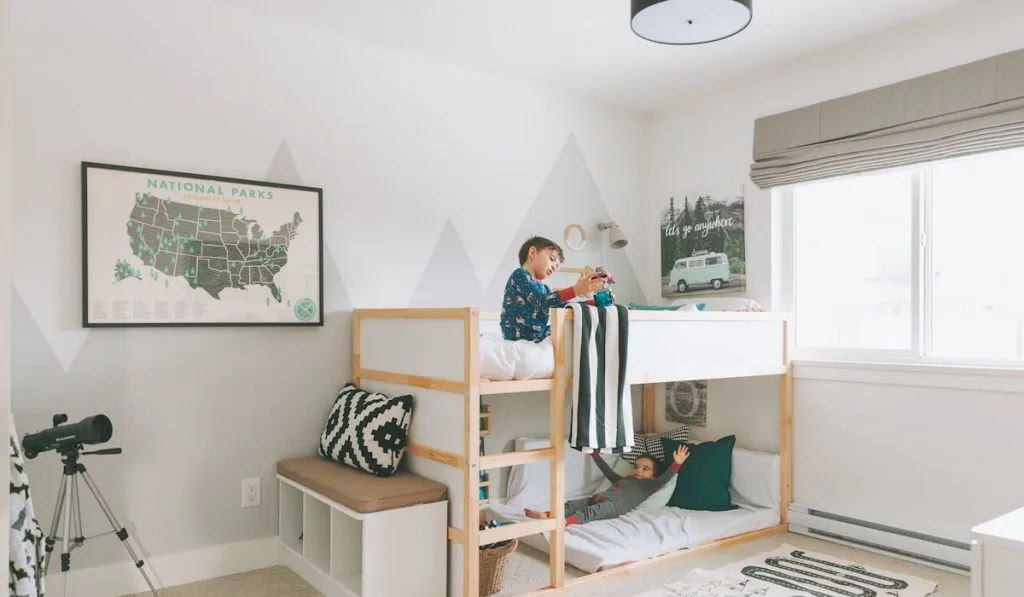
(68, 440)
(90, 430)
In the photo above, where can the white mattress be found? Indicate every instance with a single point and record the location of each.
(642, 534)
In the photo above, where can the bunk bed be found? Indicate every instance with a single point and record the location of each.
(434, 354)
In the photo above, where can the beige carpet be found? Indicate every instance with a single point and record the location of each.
(267, 582)
(528, 571)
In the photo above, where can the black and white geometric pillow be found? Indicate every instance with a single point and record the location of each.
(367, 431)
(650, 443)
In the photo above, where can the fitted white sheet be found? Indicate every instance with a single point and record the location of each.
(502, 360)
(642, 534)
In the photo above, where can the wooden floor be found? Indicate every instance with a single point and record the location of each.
(529, 571)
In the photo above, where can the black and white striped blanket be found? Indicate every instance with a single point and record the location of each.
(602, 411)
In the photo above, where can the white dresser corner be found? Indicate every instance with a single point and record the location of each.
(997, 556)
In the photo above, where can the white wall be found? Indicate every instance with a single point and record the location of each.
(864, 446)
(400, 146)
(5, 246)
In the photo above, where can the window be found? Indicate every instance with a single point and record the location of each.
(913, 265)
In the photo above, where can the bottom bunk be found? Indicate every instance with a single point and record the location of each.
(653, 529)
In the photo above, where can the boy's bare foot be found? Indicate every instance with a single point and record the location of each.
(535, 514)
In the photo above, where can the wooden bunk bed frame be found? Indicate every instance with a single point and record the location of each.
(716, 345)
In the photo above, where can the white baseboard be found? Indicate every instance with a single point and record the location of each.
(166, 570)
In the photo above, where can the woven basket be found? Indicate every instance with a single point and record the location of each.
(494, 567)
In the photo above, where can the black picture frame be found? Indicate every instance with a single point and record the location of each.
(91, 196)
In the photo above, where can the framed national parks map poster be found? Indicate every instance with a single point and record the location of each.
(165, 248)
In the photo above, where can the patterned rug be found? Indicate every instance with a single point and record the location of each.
(792, 572)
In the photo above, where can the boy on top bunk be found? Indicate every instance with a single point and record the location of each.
(524, 309)
(625, 494)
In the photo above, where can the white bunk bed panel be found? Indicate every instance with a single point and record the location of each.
(671, 346)
(425, 347)
(430, 347)
(450, 477)
(437, 417)
(666, 346)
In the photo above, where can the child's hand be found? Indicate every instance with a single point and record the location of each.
(681, 454)
(586, 285)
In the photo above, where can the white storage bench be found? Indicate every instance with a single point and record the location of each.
(351, 534)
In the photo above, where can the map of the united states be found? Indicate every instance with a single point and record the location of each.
(212, 249)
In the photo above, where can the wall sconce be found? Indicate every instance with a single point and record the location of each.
(616, 239)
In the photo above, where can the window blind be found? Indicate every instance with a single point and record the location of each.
(969, 109)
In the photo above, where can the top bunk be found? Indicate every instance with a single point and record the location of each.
(461, 349)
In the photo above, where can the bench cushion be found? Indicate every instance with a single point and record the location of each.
(361, 491)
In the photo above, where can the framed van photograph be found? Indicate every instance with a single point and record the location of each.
(162, 248)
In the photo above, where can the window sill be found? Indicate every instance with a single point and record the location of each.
(931, 375)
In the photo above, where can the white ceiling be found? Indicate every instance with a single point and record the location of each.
(586, 46)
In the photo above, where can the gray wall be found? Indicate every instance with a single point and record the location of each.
(568, 195)
(400, 146)
(5, 236)
(195, 410)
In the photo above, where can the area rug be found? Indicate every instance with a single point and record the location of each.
(792, 572)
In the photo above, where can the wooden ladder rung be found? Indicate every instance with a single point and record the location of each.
(514, 458)
(515, 531)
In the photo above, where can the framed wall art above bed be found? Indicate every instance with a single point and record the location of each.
(703, 246)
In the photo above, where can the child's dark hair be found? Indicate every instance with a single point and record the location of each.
(657, 463)
(540, 243)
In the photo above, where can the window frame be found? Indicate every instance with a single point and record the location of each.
(921, 289)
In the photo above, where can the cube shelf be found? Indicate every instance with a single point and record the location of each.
(344, 553)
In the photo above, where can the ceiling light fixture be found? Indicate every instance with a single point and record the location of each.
(688, 22)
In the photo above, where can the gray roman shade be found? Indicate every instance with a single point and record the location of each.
(974, 108)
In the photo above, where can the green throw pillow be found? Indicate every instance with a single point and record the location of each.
(705, 477)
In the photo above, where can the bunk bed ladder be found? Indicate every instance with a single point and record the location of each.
(554, 455)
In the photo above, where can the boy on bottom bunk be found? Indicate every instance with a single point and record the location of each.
(625, 494)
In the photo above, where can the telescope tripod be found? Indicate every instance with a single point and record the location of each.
(68, 505)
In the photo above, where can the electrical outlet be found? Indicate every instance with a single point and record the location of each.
(250, 492)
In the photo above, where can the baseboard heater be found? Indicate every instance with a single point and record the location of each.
(938, 552)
